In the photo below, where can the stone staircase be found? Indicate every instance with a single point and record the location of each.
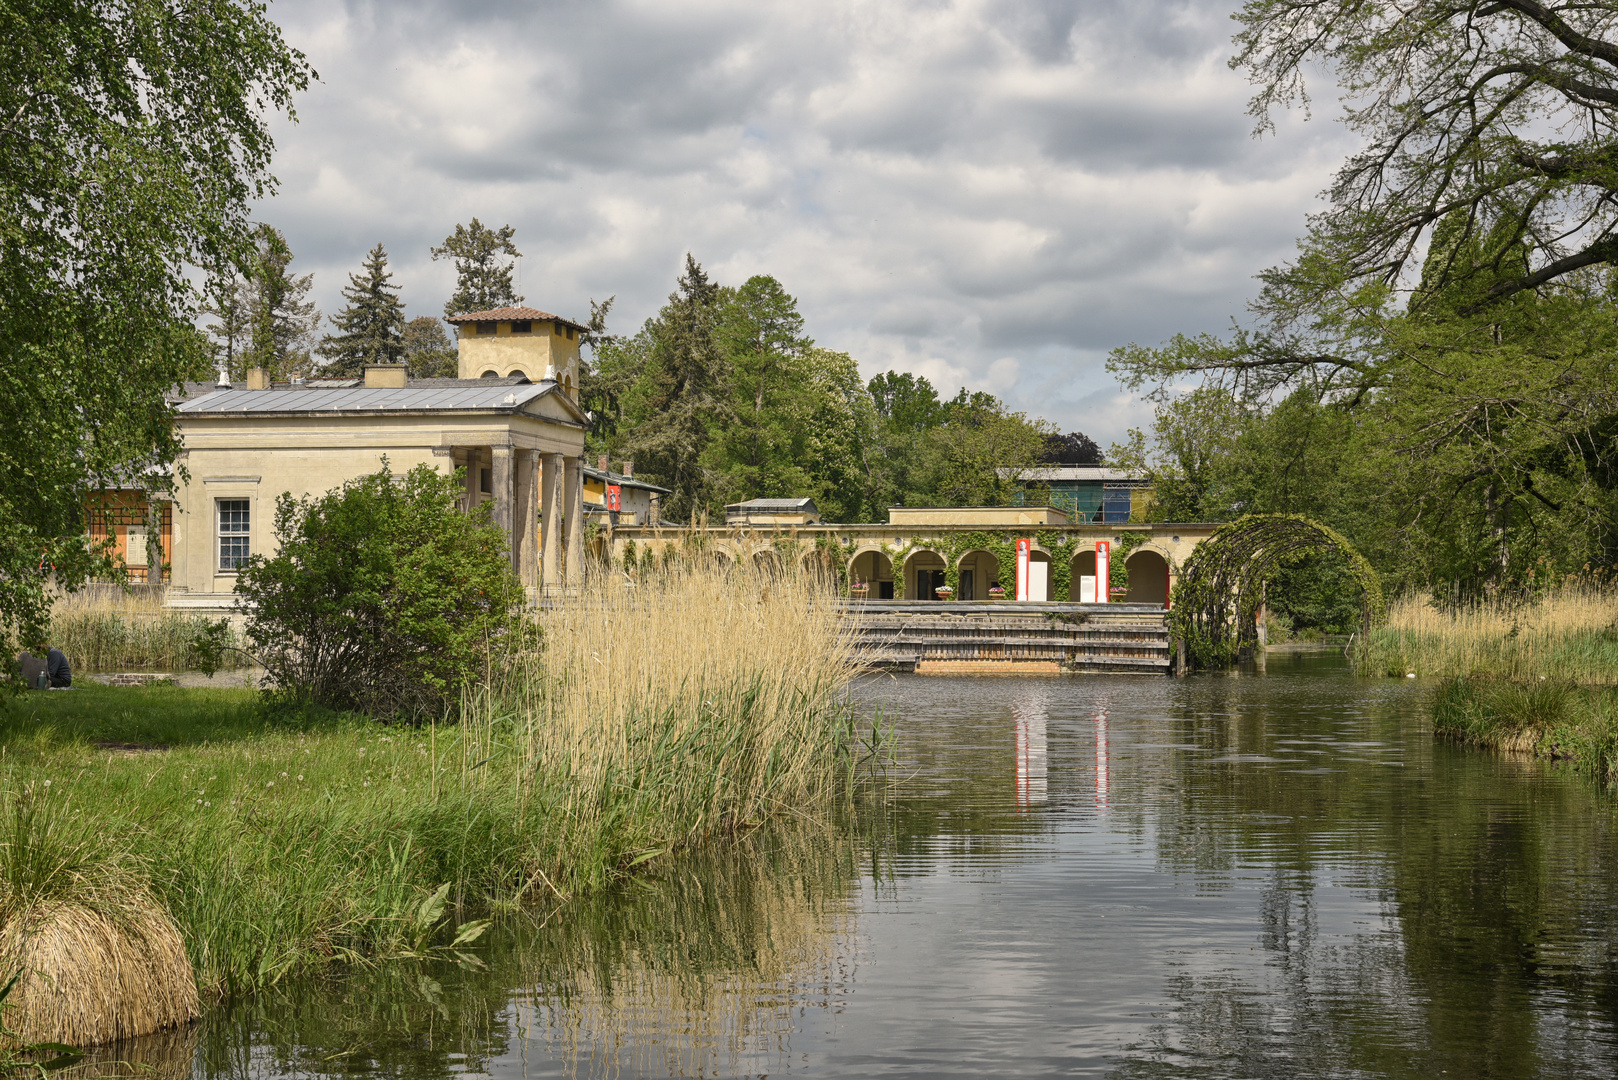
(946, 637)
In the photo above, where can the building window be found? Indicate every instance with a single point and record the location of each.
(491, 374)
(488, 328)
(524, 327)
(485, 482)
(234, 519)
(572, 333)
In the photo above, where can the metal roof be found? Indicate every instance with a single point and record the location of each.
(1092, 473)
(476, 395)
(622, 480)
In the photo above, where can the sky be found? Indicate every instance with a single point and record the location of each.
(990, 193)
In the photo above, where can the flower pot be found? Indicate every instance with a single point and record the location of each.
(945, 593)
(859, 592)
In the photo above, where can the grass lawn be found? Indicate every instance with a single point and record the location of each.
(275, 838)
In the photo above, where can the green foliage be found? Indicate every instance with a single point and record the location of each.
(371, 328)
(135, 137)
(1548, 717)
(1222, 584)
(482, 277)
(281, 320)
(383, 598)
(428, 350)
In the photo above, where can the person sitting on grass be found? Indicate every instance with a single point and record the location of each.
(57, 669)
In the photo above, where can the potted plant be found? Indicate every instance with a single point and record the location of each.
(997, 592)
(945, 592)
(858, 590)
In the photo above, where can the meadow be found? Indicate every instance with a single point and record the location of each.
(653, 718)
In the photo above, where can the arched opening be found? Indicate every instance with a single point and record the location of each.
(715, 559)
(1039, 576)
(1078, 590)
(519, 374)
(875, 570)
(491, 374)
(924, 573)
(767, 562)
(977, 570)
(818, 566)
(1221, 589)
(1148, 579)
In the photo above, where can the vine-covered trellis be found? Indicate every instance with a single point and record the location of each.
(1216, 600)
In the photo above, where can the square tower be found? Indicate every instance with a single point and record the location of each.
(524, 341)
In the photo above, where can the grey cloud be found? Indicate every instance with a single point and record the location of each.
(945, 186)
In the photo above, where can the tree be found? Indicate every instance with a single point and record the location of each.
(371, 326)
(1074, 448)
(383, 597)
(428, 350)
(133, 138)
(680, 396)
(227, 302)
(281, 319)
(773, 393)
(482, 278)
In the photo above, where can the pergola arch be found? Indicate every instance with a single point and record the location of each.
(1221, 585)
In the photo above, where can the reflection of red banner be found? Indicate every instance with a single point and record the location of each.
(614, 492)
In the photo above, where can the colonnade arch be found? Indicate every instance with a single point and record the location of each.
(976, 571)
(924, 572)
(875, 569)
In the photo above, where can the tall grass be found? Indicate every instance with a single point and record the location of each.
(651, 719)
(1569, 635)
(107, 629)
(1551, 719)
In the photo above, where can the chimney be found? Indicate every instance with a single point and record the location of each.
(601, 464)
(257, 379)
(629, 468)
(653, 516)
(386, 376)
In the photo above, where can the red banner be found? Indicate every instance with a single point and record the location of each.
(614, 493)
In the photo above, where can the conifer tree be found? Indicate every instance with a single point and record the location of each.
(281, 318)
(371, 327)
(428, 350)
(483, 280)
(684, 394)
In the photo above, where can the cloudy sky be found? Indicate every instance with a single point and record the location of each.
(991, 193)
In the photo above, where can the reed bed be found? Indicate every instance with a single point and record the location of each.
(1570, 635)
(105, 628)
(1547, 718)
(652, 719)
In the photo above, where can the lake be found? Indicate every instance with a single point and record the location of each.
(1257, 873)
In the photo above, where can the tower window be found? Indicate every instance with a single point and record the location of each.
(572, 333)
(488, 328)
(524, 327)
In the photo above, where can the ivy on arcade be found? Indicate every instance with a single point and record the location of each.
(1221, 586)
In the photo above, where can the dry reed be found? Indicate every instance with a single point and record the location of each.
(104, 628)
(99, 959)
(1571, 635)
(712, 696)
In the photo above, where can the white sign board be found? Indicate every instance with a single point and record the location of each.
(135, 546)
(1087, 589)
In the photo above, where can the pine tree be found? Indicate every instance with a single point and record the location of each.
(371, 328)
(427, 349)
(483, 281)
(229, 303)
(281, 320)
(685, 395)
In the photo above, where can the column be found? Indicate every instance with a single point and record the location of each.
(501, 477)
(473, 460)
(525, 548)
(574, 508)
(552, 497)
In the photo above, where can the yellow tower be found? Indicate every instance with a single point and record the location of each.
(522, 341)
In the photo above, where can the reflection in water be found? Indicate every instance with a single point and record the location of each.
(1271, 876)
(1030, 717)
(1102, 777)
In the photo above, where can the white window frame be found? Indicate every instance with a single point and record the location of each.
(221, 534)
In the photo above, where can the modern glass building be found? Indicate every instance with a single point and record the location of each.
(1087, 493)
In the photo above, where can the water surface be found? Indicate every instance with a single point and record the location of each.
(1238, 875)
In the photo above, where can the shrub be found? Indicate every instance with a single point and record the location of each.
(384, 598)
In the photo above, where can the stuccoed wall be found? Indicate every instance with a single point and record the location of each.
(835, 547)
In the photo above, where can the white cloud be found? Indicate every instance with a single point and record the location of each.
(991, 193)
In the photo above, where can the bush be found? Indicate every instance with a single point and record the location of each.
(384, 598)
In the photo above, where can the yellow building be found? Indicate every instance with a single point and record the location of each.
(519, 438)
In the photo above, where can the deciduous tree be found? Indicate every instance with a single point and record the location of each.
(482, 277)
